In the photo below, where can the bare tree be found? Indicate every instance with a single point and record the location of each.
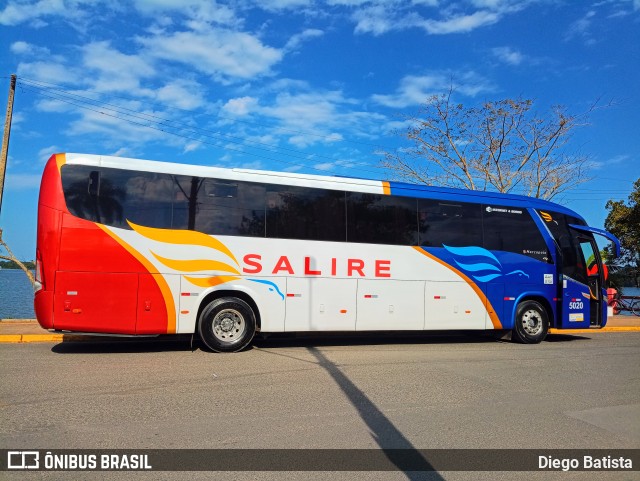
(502, 145)
(10, 257)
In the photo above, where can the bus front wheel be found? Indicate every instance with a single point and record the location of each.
(227, 324)
(532, 323)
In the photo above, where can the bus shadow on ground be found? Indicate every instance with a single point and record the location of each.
(74, 344)
(108, 345)
(379, 338)
(565, 338)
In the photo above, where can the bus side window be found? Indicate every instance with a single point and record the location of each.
(94, 183)
(304, 213)
(381, 219)
(512, 229)
(454, 224)
(232, 208)
(149, 199)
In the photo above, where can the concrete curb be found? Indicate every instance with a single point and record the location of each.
(595, 331)
(29, 338)
(18, 338)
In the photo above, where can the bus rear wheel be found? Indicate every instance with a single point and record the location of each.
(227, 324)
(532, 323)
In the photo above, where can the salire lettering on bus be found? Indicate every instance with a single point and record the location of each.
(381, 268)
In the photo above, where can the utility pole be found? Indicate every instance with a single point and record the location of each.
(7, 133)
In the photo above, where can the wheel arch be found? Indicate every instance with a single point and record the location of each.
(539, 298)
(213, 295)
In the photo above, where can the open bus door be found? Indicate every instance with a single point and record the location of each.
(583, 303)
(585, 309)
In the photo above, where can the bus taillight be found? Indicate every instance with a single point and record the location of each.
(39, 285)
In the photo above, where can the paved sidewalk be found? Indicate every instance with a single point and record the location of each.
(28, 330)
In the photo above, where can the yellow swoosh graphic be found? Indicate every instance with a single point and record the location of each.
(162, 283)
(188, 237)
(210, 281)
(196, 265)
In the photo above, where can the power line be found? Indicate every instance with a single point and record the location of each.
(163, 125)
(232, 119)
(245, 146)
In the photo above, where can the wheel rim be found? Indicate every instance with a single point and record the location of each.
(228, 325)
(532, 322)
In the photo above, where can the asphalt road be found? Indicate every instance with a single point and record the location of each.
(408, 392)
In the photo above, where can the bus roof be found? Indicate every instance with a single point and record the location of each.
(320, 181)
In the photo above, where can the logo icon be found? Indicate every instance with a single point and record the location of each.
(547, 217)
(23, 460)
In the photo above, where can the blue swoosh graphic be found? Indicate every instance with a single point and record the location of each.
(486, 278)
(269, 283)
(471, 252)
(478, 267)
(518, 272)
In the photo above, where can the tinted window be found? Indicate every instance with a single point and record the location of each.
(454, 224)
(512, 229)
(220, 207)
(381, 219)
(112, 196)
(303, 213)
(567, 241)
(149, 197)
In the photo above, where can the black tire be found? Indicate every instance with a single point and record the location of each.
(635, 307)
(227, 324)
(531, 323)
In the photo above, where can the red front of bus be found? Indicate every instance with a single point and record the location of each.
(50, 207)
(87, 280)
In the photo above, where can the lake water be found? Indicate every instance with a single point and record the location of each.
(16, 295)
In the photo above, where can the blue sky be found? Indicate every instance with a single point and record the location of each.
(303, 85)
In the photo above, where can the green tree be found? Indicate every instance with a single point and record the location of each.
(501, 145)
(623, 221)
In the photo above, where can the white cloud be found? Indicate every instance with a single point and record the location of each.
(305, 110)
(17, 119)
(183, 94)
(116, 71)
(108, 126)
(379, 17)
(240, 106)
(276, 5)
(508, 55)
(17, 12)
(335, 165)
(461, 23)
(199, 11)
(581, 27)
(122, 152)
(191, 146)
(45, 71)
(297, 40)
(24, 48)
(45, 153)
(375, 20)
(414, 90)
(221, 53)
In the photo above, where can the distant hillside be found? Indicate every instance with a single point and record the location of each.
(12, 265)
